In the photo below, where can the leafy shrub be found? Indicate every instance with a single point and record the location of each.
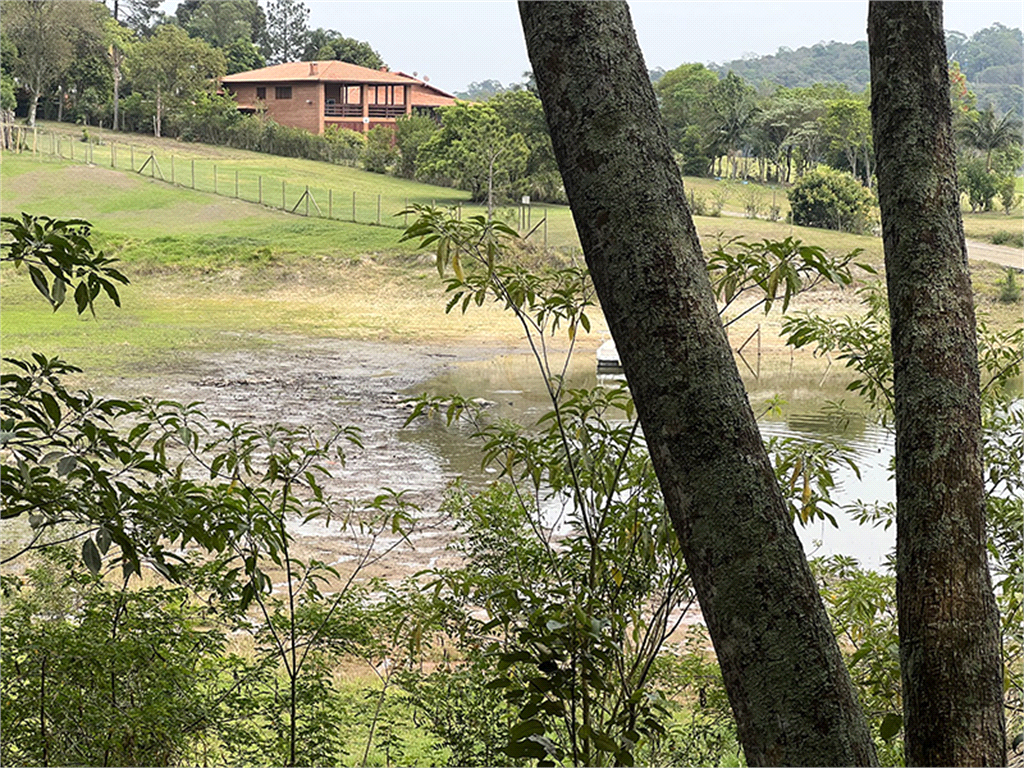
(1008, 196)
(94, 675)
(381, 151)
(979, 185)
(698, 204)
(1009, 289)
(830, 199)
(1002, 237)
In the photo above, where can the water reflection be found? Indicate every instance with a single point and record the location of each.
(512, 384)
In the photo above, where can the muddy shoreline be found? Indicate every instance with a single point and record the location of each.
(315, 382)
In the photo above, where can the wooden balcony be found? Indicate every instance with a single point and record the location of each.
(343, 110)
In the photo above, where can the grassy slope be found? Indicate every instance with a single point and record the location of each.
(214, 272)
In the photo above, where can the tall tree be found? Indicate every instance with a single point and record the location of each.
(141, 16)
(474, 150)
(988, 134)
(326, 44)
(171, 67)
(118, 42)
(222, 22)
(733, 106)
(790, 692)
(44, 35)
(847, 124)
(287, 30)
(948, 620)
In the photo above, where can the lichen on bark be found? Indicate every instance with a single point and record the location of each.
(787, 684)
(948, 620)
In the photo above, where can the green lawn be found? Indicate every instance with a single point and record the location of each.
(214, 272)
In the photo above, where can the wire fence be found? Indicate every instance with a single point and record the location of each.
(246, 184)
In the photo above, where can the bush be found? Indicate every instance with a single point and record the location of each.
(1009, 288)
(1002, 237)
(1008, 196)
(381, 151)
(830, 199)
(979, 185)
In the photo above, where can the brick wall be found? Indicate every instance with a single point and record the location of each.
(295, 111)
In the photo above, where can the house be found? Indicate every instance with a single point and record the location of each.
(317, 94)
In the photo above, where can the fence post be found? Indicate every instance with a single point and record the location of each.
(307, 199)
(113, 154)
(236, 183)
(261, 189)
(215, 179)
(330, 203)
(152, 165)
(193, 173)
(378, 208)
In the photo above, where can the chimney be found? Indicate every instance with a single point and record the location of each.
(383, 67)
(312, 68)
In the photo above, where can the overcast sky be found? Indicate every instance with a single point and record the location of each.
(456, 42)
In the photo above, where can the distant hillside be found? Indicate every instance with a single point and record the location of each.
(831, 62)
(992, 59)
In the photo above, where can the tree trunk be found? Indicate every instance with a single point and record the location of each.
(117, 88)
(948, 620)
(788, 687)
(156, 117)
(33, 107)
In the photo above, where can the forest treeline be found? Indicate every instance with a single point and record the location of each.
(991, 59)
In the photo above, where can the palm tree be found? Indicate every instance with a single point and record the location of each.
(985, 133)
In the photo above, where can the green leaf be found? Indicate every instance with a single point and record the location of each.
(891, 725)
(51, 407)
(604, 742)
(526, 728)
(91, 556)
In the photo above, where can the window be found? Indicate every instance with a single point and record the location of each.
(261, 93)
(283, 92)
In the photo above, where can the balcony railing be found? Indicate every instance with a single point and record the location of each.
(343, 110)
(356, 110)
(386, 110)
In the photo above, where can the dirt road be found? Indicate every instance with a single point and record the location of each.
(1003, 255)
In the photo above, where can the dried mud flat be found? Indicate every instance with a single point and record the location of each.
(317, 383)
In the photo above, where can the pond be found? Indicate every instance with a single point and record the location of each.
(512, 383)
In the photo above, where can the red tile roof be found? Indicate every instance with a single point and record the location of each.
(327, 71)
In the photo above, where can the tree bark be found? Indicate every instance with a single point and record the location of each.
(788, 687)
(948, 619)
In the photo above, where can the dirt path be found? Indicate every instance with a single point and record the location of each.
(1003, 255)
